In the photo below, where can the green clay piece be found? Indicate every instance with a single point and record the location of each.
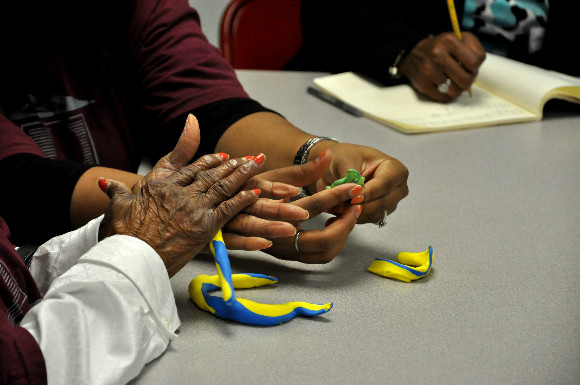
(352, 176)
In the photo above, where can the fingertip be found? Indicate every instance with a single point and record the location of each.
(324, 153)
(190, 122)
(257, 191)
(103, 184)
(260, 158)
(358, 211)
(356, 200)
(223, 155)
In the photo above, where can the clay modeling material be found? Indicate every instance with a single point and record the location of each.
(352, 176)
(239, 309)
(409, 266)
(243, 310)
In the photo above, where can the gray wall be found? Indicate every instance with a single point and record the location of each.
(210, 12)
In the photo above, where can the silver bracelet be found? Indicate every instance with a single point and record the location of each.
(302, 154)
(302, 157)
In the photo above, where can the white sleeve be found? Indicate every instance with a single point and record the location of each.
(59, 254)
(107, 316)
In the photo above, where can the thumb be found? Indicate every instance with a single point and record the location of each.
(113, 188)
(187, 144)
(303, 175)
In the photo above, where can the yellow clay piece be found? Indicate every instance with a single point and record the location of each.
(409, 266)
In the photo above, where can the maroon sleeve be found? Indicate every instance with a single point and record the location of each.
(14, 141)
(176, 67)
(21, 360)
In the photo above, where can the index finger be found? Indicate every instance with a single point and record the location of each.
(186, 175)
(388, 176)
(326, 199)
(469, 53)
(227, 185)
(321, 246)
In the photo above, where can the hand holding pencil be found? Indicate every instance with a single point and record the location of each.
(455, 23)
(441, 67)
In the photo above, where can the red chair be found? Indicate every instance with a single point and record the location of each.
(260, 34)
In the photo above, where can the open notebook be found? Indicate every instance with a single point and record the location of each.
(506, 91)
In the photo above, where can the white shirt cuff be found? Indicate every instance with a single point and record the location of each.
(107, 315)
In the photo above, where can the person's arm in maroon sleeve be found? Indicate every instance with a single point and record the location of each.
(21, 360)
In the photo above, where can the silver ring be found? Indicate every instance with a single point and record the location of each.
(383, 221)
(296, 241)
(444, 87)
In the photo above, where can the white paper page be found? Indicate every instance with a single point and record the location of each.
(522, 83)
(401, 104)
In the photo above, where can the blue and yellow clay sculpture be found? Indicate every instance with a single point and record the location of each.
(239, 309)
(409, 266)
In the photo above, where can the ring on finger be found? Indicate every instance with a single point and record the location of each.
(296, 241)
(383, 221)
(444, 87)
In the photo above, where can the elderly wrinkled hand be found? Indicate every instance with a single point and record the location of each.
(178, 215)
(257, 223)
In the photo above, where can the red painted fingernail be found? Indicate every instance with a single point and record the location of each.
(248, 157)
(103, 184)
(356, 190)
(358, 210)
(321, 155)
(223, 155)
(257, 191)
(356, 200)
(259, 158)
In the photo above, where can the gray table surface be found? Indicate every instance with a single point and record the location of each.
(501, 207)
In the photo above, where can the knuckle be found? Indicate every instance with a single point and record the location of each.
(224, 187)
(208, 176)
(447, 38)
(204, 161)
(427, 67)
(227, 209)
(316, 204)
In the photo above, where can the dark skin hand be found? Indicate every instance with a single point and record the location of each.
(441, 57)
(260, 225)
(386, 186)
(179, 215)
(253, 228)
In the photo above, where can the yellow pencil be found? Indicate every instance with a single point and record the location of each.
(455, 23)
(453, 16)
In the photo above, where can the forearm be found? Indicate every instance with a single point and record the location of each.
(267, 133)
(117, 293)
(59, 254)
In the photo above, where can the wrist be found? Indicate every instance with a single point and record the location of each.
(319, 147)
(106, 228)
(310, 150)
(306, 150)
